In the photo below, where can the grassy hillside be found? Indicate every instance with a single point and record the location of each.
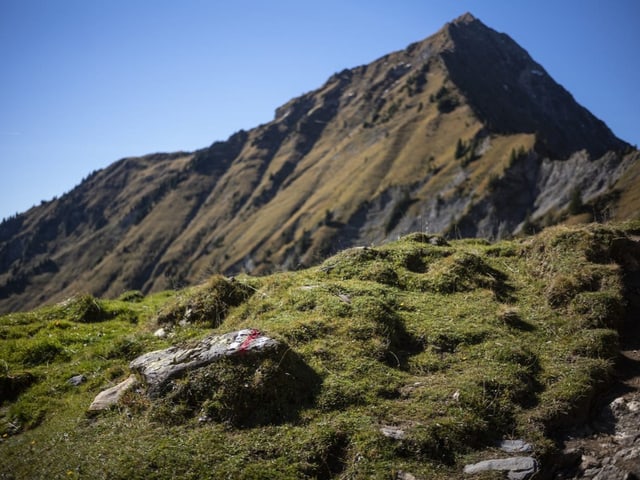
(458, 344)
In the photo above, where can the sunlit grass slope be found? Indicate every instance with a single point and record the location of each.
(457, 344)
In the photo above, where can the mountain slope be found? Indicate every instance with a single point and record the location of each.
(462, 133)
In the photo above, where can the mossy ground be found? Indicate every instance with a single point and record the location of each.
(458, 344)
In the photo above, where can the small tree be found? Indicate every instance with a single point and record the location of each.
(575, 203)
(461, 149)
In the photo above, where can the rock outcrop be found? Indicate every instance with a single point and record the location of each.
(157, 368)
(243, 378)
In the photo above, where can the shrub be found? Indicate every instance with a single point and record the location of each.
(84, 309)
(39, 352)
(575, 203)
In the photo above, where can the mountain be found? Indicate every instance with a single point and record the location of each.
(461, 134)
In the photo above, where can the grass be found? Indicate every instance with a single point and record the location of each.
(458, 344)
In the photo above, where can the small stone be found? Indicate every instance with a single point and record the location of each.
(405, 476)
(515, 446)
(437, 241)
(518, 468)
(589, 462)
(618, 404)
(160, 333)
(111, 396)
(345, 298)
(393, 432)
(77, 380)
(633, 406)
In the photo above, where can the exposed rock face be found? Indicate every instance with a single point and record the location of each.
(611, 449)
(535, 187)
(157, 368)
(420, 139)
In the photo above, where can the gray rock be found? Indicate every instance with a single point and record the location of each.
(633, 406)
(158, 367)
(405, 476)
(610, 472)
(393, 432)
(518, 468)
(515, 446)
(77, 380)
(109, 397)
(160, 333)
(589, 462)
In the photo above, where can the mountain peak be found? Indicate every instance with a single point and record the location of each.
(512, 93)
(465, 18)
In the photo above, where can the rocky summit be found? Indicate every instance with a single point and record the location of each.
(461, 134)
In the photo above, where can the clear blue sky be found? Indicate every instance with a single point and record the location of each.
(84, 83)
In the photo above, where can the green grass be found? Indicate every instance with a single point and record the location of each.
(457, 343)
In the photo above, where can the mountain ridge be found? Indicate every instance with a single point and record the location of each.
(416, 140)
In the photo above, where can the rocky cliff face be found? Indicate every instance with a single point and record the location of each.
(461, 133)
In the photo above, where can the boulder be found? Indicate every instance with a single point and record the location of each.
(518, 468)
(158, 367)
(109, 397)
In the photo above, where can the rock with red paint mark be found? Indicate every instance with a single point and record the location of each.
(158, 367)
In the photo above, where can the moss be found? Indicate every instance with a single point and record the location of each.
(13, 384)
(41, 352)
(207, 304)
(598, 309)
(458, 343)
(131, 296)
(84, 308)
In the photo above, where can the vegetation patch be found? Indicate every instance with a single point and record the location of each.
(242, 392)
(450, 345)
(207, 304)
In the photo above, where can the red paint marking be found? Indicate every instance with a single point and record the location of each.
(247, 341)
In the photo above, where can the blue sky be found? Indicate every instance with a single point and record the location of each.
(84, 83)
